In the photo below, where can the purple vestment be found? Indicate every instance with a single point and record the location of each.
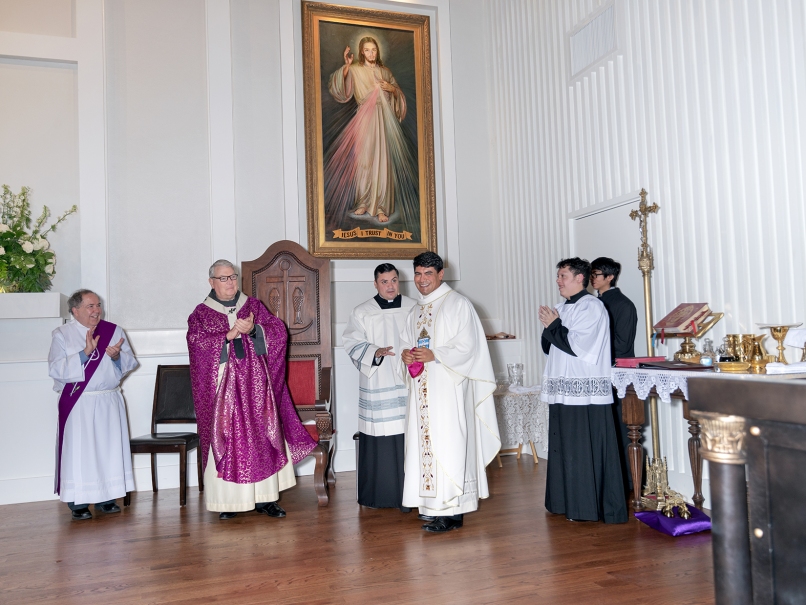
(246, 422)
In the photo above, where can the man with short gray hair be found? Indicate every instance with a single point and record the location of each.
(248, 427)
(88, 359)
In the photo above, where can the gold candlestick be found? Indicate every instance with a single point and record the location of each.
(779, 333)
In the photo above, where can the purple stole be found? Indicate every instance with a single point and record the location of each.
(73, 390)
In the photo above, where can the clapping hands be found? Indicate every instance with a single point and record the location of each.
(547, 315)
(242, 326)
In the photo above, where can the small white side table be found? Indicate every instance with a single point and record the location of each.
(521, 417)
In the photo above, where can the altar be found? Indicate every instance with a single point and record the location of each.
(633, 386)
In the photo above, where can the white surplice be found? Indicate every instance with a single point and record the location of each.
(452, 431)
(225, 496)
(382, 389)
(584, 379)
(96, 461)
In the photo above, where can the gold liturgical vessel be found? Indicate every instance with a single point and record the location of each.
(779, 333)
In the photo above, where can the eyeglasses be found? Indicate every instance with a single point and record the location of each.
(223, 279)
(597, 274)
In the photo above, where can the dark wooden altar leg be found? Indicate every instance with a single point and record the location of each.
(632, 411)
(319, 482)
(730, 535)
(696, 461)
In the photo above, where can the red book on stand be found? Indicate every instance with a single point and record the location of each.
(632, 362)
(683, 318)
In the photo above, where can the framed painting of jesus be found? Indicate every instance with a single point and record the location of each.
(369, 134)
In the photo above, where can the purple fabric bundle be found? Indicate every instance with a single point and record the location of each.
(416, 368)
(676, 526)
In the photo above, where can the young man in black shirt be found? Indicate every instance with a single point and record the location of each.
(623, 325)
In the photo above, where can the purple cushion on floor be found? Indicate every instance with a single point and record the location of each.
(676, 526)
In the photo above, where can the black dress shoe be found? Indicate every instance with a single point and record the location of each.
(427, 518)
(224, 516)
(272, 509)
(405, 509)
(443, 524)
(108, 508)
(80, 514)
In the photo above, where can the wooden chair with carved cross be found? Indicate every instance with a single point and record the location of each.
(295, 287)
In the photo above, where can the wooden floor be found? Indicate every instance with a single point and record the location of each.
(511, 551)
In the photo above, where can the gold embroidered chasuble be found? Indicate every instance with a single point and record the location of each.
(452, 432)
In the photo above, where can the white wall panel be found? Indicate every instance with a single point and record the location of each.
(157, 158)
(702, 104)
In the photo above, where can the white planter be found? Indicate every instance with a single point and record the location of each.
(32, 305)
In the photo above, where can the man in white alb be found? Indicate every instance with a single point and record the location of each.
(452, 432)
(583, 480)
(372, 334)
(88, 358)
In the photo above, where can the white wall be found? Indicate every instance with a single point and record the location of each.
(201, 156)
(702, 104)
(157, 159)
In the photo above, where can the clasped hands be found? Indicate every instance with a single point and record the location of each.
(421, 354)
(92, 343)
(242, 326)
(547, 315)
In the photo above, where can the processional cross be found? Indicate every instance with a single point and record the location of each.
(657, 474)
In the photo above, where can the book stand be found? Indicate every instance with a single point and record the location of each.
(688, 350)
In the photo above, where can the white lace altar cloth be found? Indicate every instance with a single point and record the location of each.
(522, 417)
(665, 382)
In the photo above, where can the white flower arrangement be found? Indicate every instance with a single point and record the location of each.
(27, 264)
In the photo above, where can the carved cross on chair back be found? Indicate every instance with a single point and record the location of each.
(295, 287)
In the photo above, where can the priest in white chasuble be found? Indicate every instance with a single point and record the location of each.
(584, 480)
(373, 334)
(451, 428)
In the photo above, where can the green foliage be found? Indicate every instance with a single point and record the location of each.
(27, 264)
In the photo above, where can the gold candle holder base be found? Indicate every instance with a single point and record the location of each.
(657, 485)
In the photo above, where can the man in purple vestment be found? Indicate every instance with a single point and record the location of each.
(249, 430)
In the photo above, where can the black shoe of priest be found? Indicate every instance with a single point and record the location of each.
(427, 518)
(224, 516)
(272, 509)
(108, 508)
(80, 514)
(443, 524)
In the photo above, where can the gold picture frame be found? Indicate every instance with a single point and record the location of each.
(369, 132)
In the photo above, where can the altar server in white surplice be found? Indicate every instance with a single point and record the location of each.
(452, 431)
(584, 480)
(372, 335)
(88, 358)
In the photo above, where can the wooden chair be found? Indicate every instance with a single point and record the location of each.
(173, 404)
(295, 287)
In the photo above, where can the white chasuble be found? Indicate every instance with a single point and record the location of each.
(382, 389)
(584, 379)
(96, 461)
(224, 496)
(452, 431)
